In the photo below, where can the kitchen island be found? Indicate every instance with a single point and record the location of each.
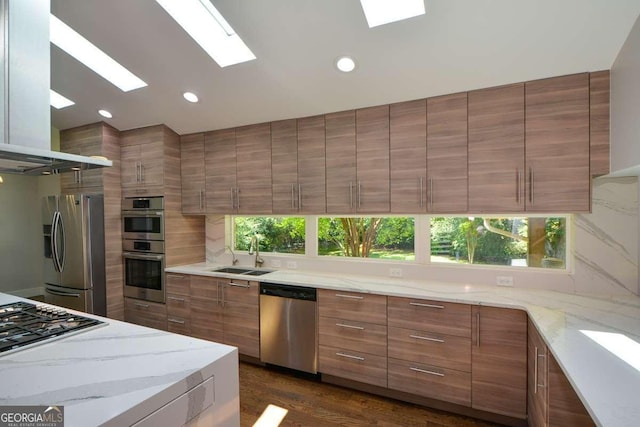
(119, 374)
(594, 339)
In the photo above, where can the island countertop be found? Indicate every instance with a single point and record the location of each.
(596, 340)
(117, 374)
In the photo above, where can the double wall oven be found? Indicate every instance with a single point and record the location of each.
(143, 248)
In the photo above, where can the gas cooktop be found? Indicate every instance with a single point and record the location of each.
(23, 324)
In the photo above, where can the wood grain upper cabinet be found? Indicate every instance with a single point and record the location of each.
(447, 153)
(557, 144)
(311, 165)
(599, 89)
(192, 173)
(142, 160)
(408, 156)
(340, 161)
(84, 141)
(499, 361)
(496, 149)
(284, 166)
(253, 169)
(372, 160)
(220, 171)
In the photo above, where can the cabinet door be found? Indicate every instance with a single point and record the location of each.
(341, 161)
(447, 153)
(599, 122)
(311, 165)
(253, 169)
(557, 144)
(537, 390)
(192, 173)
(565, 407)
(496, 149)
(372, 159)
(84, 141)
(220, 170)
(206, 309)
(130, 165)
(152, 163)
(408, 156)
(284, 166)
(499, 361)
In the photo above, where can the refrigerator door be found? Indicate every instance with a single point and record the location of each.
(75, 299)
(72, 242)
(49, 209)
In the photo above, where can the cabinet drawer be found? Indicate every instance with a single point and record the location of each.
(178, 283)
(242, 291)
(434, 316)
(430, 381)
(145, 313)
(178, 325)
(204, 287)
(356, 306)
(178, 305)
(353, 365)
(447, 351)
(358, 336)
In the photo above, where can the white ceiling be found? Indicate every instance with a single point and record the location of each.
(458, 45)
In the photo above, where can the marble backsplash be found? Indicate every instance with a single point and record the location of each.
(605, 250)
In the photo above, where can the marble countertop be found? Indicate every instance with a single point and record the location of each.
(113, 375)
(596, 340)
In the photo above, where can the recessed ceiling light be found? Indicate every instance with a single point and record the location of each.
(202, 21)
(380, 12)
(190, 96)
(105, 113)
(86, 52)
(58, 101)
(346, 64)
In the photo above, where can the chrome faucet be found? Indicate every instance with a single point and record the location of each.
(234, 261)
(255, 242)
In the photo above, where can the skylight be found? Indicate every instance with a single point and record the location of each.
(202, 21)
(58, 101)
(86, 52)
(380, 12)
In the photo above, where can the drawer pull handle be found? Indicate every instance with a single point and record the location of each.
(349, 296)
(350, 326)
(239, 285)
(176, 321)
(176, 299)
(137, 304)
(348, 356)
(176, 276)
(418, 337)
(424, 371)
(420, 304)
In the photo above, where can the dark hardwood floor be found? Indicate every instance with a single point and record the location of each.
(311, 403)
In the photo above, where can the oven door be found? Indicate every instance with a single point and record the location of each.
(144, 276)
(147, 225)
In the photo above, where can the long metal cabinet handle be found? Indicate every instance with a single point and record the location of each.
(342, 325)
(238, 198)
(239, 285)
(421, 191)
(142, 172)
(543, 356)
(233, 205)
(299, 196)
(535, 372)
(177, 276)
(349, 356)
(176, 299)
(531, 186)
(349, 296)
(430, 193)
(359, 193)
(351, 194)
(517, 186)
(420, 304)
(424, 371)
(181, 322)
(477, 329)
(138, 304)
(293, 196)
(200, 195)
(418, 337)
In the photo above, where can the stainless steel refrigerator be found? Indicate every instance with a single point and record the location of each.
(74, 253)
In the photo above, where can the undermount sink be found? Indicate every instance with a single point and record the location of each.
(240, 270)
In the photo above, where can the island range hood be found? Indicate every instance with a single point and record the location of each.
(25, 116)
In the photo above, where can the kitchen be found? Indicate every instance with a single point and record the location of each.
(601, 266)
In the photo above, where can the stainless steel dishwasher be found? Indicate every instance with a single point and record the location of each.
(289, 326)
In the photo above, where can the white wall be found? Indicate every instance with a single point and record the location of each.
(605, 252)
(625, 106)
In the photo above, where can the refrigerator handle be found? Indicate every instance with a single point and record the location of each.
(54, 241)
(62, 294)
(61, 256)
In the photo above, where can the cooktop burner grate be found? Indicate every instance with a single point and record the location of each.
(23, 323)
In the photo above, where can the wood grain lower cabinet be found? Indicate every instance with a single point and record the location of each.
(499, 361)
(352, 336)
(145, 313)
(241, 315)
(206, 309)
(440, 317)
(551, 398)
(178, 303)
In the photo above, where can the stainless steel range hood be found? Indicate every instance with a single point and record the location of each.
(25, 116)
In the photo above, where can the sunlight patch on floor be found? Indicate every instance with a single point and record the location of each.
(271, 417)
